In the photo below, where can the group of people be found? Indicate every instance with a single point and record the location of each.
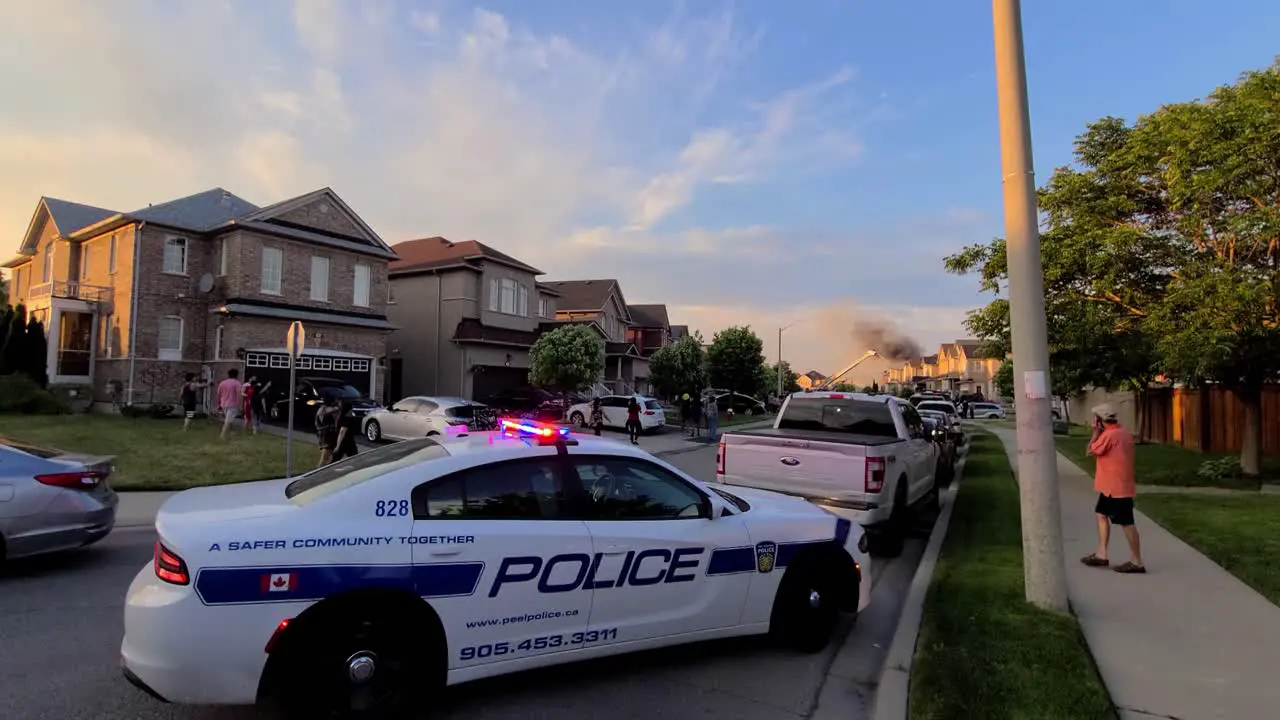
(633, 419)
(236, 400)
(698, 412)
(248, 400)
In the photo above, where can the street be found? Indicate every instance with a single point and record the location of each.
(61, 624)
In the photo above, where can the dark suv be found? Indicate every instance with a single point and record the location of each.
(311, 393)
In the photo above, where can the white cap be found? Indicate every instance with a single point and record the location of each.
(1104, 411)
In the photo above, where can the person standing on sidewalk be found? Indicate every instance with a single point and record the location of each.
(1112, 445)
(711, 412)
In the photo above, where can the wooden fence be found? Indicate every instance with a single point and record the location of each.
(1209, 420)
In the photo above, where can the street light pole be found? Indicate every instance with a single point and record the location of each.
(779, 373)
(1043, 569)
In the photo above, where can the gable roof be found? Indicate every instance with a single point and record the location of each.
(974, 350)
(433, 252)
(588, 295)
(69, 216)
(270, 213)
(679, 331)
(201, 212)
(650, 316)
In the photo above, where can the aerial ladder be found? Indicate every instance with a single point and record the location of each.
(831, 381)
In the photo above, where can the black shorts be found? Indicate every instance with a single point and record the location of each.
(1118, 510)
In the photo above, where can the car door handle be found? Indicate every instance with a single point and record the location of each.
(616, 549)
(445, 551)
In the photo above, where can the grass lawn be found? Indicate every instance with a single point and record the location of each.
(984, 652)
(158, 455)
(1158, 464)
(1242, 534)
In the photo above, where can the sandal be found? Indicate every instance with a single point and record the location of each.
(1130, 569)
(1092, 560)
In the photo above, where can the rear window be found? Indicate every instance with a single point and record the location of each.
(36, 450)
(652, 405)
(936, 406)
(363, 468)
(462, 412)
(860, 417)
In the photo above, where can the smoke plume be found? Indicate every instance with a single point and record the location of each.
(885, 339)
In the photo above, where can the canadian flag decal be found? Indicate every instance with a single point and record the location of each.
(279, 582)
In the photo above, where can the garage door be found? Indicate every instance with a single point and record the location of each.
(488, 380)
(274, 365)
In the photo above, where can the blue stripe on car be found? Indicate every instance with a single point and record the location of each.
(730, 561)
(227, 586)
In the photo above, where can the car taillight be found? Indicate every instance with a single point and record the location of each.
(169, 567)
(648, 412)
(720, 457)
(81, 480)
(874, 480)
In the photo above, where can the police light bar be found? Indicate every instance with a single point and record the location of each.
(533, 429)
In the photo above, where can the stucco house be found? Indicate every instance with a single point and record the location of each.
(132, 300)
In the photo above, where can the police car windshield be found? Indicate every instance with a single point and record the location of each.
(362, 468)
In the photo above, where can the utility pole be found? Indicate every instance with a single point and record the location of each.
(779, 373)
(1045, 574)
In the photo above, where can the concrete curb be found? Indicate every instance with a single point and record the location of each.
(892, 693)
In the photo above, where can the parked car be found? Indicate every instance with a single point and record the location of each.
(529, 402)
(866, 457)
(614, 408)
(741, 404)
(936, 429)
(52, 500)
(918, 398)
(309, 396)
(987, 411)
(945, 406)
(951, 425)
(420, 416)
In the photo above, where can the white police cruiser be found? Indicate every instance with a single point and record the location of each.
(354, 588)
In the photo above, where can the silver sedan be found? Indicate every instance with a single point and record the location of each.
(420, 416)
(51, 500)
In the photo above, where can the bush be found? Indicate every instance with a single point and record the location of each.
(161, 410)
(21, 394)
(158, 411)
(1220, 470)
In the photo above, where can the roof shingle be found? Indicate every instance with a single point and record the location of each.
(201, 212)
(71, 216)
(650, 316)
(430, 252)
(582, 294)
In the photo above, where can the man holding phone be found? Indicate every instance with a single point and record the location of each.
(1112, 445)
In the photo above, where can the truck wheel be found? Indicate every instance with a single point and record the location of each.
(806, 609)
(894, 536)
(355, 667)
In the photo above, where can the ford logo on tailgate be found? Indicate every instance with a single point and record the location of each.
(790, 461)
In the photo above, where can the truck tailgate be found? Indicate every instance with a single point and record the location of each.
(799, 466)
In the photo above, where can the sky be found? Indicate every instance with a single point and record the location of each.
(806, 164)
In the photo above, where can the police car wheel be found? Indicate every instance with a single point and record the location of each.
(355, 668)
(373, 431)
(806, 610)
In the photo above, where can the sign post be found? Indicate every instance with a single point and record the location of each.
(295, 341)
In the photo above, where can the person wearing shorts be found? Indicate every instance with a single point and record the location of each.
(1113, 445)
(230, 392)
(190, 390)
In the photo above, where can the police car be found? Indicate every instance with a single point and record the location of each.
(359, 586)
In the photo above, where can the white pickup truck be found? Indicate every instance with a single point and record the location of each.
(866, 457)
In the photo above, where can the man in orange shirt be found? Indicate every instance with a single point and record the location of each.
(1112, 445)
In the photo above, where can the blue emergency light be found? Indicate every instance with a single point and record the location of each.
(533, 430)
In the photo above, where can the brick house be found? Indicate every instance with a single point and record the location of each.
(204, 283)
(601, 304)
(467, 316)
(650, 328)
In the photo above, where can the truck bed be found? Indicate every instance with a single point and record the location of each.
(829, 436)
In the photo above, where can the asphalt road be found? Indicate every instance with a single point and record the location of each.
(61, 623)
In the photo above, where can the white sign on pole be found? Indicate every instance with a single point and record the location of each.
(296, 339)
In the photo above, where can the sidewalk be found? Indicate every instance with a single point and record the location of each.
(1187, 640)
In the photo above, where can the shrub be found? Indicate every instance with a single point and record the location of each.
(160, 410)
(1220, 470)
(21, 394)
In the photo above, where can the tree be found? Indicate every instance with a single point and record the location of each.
(566, 359)
(735, 359)
(1004, 379)
(769, 379)
(679, 368)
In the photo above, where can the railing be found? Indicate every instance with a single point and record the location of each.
(70, 290)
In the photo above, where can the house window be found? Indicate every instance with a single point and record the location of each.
(175, 256)
(84, 262)
(217, 343)
(111, 254)
(319, 278)
(360, 294)
(322, 363)
(255, 360)
(17, 291)
(279, 361)
(341, 365)
(47, 270)
(170, 338)
(224, 256)
(360, 366)
(522, 301)
(272, 270)
(304, 363)
(508, 297)
(542, 307)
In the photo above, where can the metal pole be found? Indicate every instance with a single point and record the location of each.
(779, 373)
(293, 403)
(1043, 569)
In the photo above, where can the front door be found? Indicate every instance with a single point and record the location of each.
(499, 564)
(653, 543)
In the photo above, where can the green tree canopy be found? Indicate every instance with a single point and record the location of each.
(566, 359)
(769, 379)
(679, 368)
(1161, 251)
(735, 359)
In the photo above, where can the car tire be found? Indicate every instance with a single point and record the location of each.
(319, 677)
(806, 610)
(579, 420)
(373, 431)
